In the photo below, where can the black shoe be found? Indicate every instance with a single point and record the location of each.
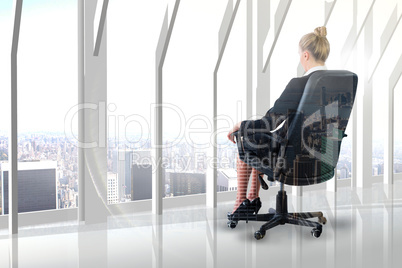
(256, 204)
(246, 208)
(243, 209)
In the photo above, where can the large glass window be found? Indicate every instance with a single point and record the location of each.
(382, 66)
(47, 85)
(47, 90)
(232, 96)
(5, 50)
(380, 109)
(187, 95)
(133, 30)
(188, 92)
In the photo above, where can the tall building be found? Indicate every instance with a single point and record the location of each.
(187, 183)
(141, 185)
(381, 168)
(122, 163)
(36, 186)
(122, 160)
(227, 180)
(141, 175)
(113, 196)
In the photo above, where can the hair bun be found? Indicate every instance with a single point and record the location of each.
(321, 31)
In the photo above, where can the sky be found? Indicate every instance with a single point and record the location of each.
(47, 60)
(46, 84)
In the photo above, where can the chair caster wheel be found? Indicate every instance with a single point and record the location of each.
(272, 210)
(232, 224)
(322, 220)
(316, 232)
(259, 235)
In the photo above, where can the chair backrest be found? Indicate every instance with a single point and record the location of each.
(317, 127)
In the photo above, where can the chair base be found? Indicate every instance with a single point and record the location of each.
(280, 216)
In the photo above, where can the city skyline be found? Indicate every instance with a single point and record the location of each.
(55, 147)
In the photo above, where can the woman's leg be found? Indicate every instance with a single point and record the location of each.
(255, 185)
(243, 175)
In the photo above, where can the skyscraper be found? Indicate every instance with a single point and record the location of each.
(141, 185)
(113, 196)
(227, 180)
(36, 185)
(121, 164)
(186, 183)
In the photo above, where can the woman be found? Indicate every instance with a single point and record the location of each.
(313, 50)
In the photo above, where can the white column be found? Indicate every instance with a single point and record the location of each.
(93, 207)
(263, 86)
(250, 59)
(389, 138)
(211, 238)
(364, 113)
(388, 228)
(157, 241)
(13, 249)
(332, 184)
(389, 125)
(330, 232)
(161, 50)
(224, 33)
(13, 138)
(81, 122)
(354, 110)
(280, 17)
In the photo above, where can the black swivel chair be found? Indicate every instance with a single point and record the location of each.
(305, 149)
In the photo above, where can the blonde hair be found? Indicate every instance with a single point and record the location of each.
(316, 43)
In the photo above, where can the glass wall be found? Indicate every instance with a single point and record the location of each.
(188, 94)
(47, 90)
(5, 85)
(47, 72)
(232, 95)
(380, 112)
(382, 68)
(133, 29)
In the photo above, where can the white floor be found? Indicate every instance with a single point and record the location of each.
(364, 229)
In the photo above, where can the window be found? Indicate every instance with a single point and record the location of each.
(131, 83)
(47, 90)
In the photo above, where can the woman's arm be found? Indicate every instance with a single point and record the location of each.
(233, 130)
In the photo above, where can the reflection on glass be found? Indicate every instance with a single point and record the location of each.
(13, 244)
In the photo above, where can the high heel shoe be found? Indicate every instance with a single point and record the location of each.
(244, 209)
(256, 204)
